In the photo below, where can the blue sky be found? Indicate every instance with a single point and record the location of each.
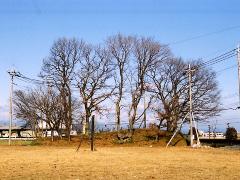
(29, 27)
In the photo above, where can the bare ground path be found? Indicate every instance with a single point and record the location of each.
(41, 162)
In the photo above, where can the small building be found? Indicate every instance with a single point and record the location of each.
(212, 135)
(17, 131)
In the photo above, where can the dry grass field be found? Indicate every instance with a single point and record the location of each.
(43, 162)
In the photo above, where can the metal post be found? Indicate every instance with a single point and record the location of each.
(92, 134)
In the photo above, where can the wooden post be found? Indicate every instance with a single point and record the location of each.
(92, 134)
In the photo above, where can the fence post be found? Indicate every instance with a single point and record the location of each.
(92, 133)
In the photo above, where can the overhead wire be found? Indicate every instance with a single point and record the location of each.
(204, 35)
(219, 58)
(230, 67)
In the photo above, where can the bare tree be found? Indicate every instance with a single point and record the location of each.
(120, 48)
(60, 66)
(25, 110)
(93, 80)
(35, 105)
(170, 89)
(146, 54)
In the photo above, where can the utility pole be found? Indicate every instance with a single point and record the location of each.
(238, 60)
(12, 74)
(190, 71)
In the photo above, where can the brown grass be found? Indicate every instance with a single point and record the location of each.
(141, 137)
(43, 162)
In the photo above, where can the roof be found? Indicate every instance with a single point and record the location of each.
(4, 128)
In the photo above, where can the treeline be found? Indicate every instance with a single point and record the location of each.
(121, 71)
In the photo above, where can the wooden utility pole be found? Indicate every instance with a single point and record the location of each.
(12, 74)
(190, 71)
(92, 133)
(238, 60)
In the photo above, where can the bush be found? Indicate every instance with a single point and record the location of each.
(231, 134)
(154, 133)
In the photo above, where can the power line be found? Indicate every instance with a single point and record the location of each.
(42, 82)
(36, 81)
(226, 53)
(230, 67)
(219, 58)
(204, 35)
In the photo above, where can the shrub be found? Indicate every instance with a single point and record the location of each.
(231, 133)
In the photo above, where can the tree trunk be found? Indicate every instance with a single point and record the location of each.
(69, 113)
(52, 135)
(118, 116)
(168, 125)
(87, 124)
(132, 120)
(59, 132)
(68, 132)
(84, 126)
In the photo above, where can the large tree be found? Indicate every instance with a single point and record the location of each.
(120, 48)
(146, 54)
(170, 86)
(60, 66)
(93, 80)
